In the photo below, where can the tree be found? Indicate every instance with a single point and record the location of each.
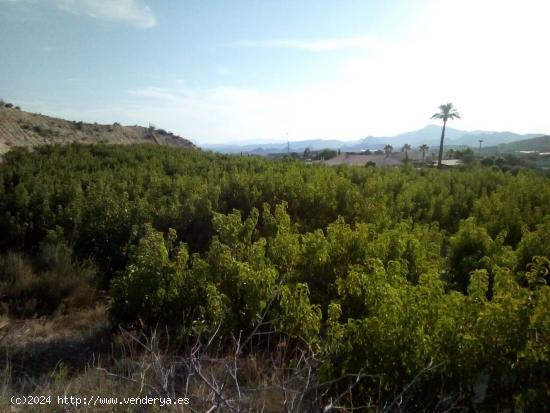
(445, 113)
(466, 155)
(406, 148)
(388, 149)
(423, 149)
(451, 154)
(326, 153)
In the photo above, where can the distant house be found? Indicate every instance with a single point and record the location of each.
(309, 154)
(449, 162)
(395, 159)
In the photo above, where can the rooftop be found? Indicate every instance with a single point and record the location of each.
(394, 159)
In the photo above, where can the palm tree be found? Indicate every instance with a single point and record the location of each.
(406, 148)
(446, 112)
(388, 150)
(423, 149)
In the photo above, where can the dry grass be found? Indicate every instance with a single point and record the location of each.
(50, 283)
(17, 334)
(75, 354)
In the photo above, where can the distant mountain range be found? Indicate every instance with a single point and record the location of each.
(428, 135)
(20, 128)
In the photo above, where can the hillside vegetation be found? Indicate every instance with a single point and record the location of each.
(539, 144)
(19, 128)
(281, 286)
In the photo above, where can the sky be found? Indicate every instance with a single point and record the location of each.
(219, 71)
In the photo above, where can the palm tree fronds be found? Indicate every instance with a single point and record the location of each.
(445, 113)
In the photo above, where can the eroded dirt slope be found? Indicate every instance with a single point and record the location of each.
(19, 128)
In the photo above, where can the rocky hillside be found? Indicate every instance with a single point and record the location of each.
(19, 128)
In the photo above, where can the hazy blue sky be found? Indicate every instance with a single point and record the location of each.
(218, 71)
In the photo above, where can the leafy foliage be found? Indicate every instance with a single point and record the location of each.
(416, 278)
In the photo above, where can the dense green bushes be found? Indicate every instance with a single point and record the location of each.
(364, 312)
(418, 279)
(98, 194)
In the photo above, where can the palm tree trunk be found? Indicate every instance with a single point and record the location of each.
(441, 145)
(423, 156)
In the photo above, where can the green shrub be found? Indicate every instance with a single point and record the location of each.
(157, 288)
